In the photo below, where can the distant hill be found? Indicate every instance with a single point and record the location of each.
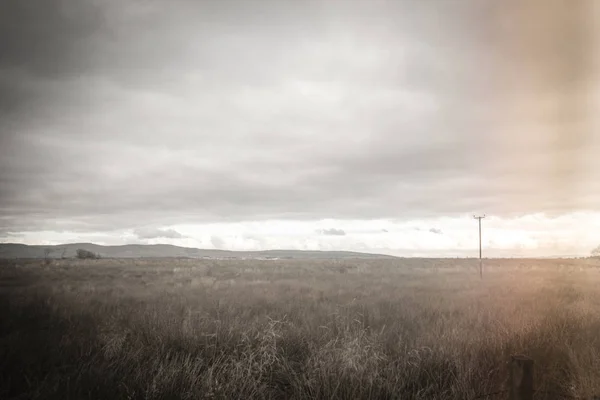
(15, 250)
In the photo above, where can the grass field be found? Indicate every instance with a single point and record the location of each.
(353, 329)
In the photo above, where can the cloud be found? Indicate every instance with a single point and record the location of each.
(436, 231)
(155, 233)
(49, 36)
(332, 232)
(217, 242)
(155, 111)
(9, 234)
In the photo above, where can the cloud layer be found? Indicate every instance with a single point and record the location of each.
(155, 233)
(118, 114)
(332, 232)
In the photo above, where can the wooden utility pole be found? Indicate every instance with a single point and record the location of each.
(521, 378)
(480, 217)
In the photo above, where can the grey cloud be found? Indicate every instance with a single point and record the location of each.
(260, 241)
(153, 112)
(436, 231)
(6, 235)
(43, 41)
(332, 232)
(146, 46)
(367, 231)
(47, 37)
(217, 242)
(155, 233)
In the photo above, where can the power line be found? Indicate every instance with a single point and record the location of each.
(479, 218)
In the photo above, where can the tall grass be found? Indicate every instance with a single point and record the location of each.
(378, 329)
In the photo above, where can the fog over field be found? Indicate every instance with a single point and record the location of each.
(322, 125)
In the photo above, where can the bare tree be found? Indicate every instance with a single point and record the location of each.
(47, 259)
(596, 252)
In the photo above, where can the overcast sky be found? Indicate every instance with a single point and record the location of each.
(311, 124)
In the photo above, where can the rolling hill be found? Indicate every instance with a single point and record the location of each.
(16, 250)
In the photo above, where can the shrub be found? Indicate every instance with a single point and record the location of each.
(87, 255)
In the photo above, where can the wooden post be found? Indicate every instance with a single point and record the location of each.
(521, 378)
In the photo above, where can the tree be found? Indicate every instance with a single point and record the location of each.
(47, 259)
(87, 255)
(596, 252)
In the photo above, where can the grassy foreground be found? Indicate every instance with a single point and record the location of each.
(377, 329)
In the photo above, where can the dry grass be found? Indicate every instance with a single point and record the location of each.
(379, 329)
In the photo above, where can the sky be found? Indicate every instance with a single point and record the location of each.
(376, 126)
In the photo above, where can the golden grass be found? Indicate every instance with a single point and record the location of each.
(352, 329)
